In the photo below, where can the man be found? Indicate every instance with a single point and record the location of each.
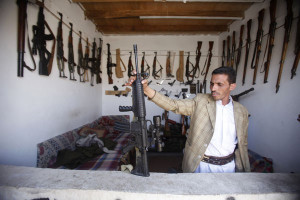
(217, 139)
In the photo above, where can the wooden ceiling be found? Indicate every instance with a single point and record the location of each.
(164, 16)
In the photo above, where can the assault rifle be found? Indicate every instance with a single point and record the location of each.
(22, 20)
(223, 53)
(154, 72)
(71, 63)
(297, 50)
(80, 60)
(287, 27)
(168, 65)
(237, 96)
(248, 41)
(228, 51)
(193, 72)
(233, 47)
(257, 48)
(188, 73)
(145, 72)
(239, 50)
(39, 42)
(98, 62)
(86, 61)
(93, 62)
(271, 36)
(109, 65)
(60, 49)
(179, 72)
(207, 65)
(130, 66)
(138, 128)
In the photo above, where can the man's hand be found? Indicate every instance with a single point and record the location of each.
(147, 90)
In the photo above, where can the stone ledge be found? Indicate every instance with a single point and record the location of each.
(29, 183)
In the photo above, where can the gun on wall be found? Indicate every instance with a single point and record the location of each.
(297, 51)
(154, 71)
(39, 42)
(271, 37)
(86, 61)
(233, 47)
(257, 48)
(71, 63)
(237, 96)
(180, 70)
(223, 53)
(287, 27)
(145, 72)
(22, 20)
(80, 60)
(109, 65)
(93, 62)
(228, 51)
(239, 50)
(207, 65)
(138, 128)
(60, 49)
(189, 73)
(193, 73)
(248, 41)
(98, 62)
(130, 66)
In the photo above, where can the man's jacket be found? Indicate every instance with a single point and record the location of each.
(202, 110)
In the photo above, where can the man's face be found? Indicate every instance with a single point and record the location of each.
(220, 87)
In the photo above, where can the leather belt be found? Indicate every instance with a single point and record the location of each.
(218, 160)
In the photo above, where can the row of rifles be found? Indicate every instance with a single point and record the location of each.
(233, 55)
(85, 62)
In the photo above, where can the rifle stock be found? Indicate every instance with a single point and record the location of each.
(207, 64)
(71, 63)
(248, 41)
(239, 51)
(118, 69)
(297, 51)
(109, 65)
(233, 47)
(180, 70)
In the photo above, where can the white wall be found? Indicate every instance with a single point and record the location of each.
(35, 108)
(274, 129)
(150, 44)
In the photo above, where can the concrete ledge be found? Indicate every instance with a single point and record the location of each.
(32, 183)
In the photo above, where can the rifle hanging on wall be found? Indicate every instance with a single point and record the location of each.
(233, 47)
(228, 51)
(180, 70)
(248, 41)
(287, 27)
(239, 50)
(118, 69)
(39, 42)
(98, 62)
(109, 65)
(145, 72)
(297, 50)
(92, 60)
(207, 65)
(22, 21)
(60, 49)
(80, 69)
(257, 48)
(130, 66)
(271, 37)
(86, 61)
(154, 71)
(71, 63)
(223, 53)
(237, 96)
(191, 75)
(188, 75)
(168, 66)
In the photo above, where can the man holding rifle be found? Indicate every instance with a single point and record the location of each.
(217, 139)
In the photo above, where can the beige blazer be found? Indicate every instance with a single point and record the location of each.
(202, 110)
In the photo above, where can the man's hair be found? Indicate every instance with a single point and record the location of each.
(229, 71)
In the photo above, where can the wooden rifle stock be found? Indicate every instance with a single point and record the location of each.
(228, 51)
(239, 50)
(154, 71)
(223, 53)
(271, 37)
(257, 48)
(118, 69)
(197, 67)
(233, 47)
(248, 41)
(287, 26)
(168, 65)
(180, 70)
(130, 66)
(237, 96)
(297, 50)
(207, 64)
(145, 72)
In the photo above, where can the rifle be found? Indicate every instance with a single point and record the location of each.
(39, 43)
(287, 27)
(80, 60)
(223, 53)
(93, 62)
(154, 72)
(228, 51)
(271, 36)
(237, 96)
(239, 50)
(60, 49)
(138, 128)
(118, 69)
(130, 66)
(233, 47)
(193, 72)
(109, 65)
(168, 65)
(98, 62)
(71, 63)
(86, 61)
(179, 72)
(22, 20)
(145, 72)
(188, 73)
(297, 51)
(207, 65)
(257, 48)
(248, 41)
